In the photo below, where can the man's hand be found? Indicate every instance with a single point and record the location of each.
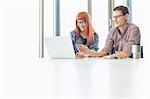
(121, 54)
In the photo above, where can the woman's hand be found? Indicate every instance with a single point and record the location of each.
(84, 49)
(90, 53)
(80, 55)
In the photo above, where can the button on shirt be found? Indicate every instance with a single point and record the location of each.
(122, 41)
(80, 40)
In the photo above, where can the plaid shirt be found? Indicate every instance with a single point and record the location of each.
(124, 41)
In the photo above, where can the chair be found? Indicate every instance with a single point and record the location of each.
(141, 48)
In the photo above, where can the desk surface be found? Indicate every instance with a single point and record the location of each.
(114, 78)
(80, 78)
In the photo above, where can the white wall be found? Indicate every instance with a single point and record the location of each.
(68, 11)
(20, 64)
(141, 17)
(48, 18)
(100, 20)
(19, 47)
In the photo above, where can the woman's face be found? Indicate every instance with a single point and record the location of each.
(81, 24)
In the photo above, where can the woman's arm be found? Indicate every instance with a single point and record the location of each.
(89, 52)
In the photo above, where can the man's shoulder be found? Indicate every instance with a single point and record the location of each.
(113, 30)
(133, 26)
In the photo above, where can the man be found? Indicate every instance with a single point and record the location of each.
(121, 38)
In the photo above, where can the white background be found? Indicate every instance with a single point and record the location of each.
(19, 47)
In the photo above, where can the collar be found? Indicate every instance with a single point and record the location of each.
(124, 29)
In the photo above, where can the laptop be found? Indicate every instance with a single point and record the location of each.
(60, 47)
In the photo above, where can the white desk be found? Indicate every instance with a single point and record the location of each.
(98, 78)
(80, 79)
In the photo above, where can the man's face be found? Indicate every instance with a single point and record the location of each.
(119, 18)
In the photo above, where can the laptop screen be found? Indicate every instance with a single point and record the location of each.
(60, 47)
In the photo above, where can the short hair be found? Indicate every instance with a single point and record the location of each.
(123, 9)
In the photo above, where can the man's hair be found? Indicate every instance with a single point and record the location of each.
(123, 9)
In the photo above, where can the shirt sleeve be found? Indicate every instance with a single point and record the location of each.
(134, 39)
(94, 46)
(73, 38)
(109, 42)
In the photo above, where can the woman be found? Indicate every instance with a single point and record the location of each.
(84, 34)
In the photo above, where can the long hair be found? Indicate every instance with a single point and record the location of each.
(90, 31)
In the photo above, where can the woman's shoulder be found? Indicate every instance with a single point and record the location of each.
(96, 37)
(73, 33)
(95, 34)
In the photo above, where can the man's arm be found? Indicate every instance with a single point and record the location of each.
(121, 54)
(107, 48)
(134, 38)
(97, 54)
(88, 52)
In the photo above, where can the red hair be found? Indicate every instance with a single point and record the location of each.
(90, 31)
